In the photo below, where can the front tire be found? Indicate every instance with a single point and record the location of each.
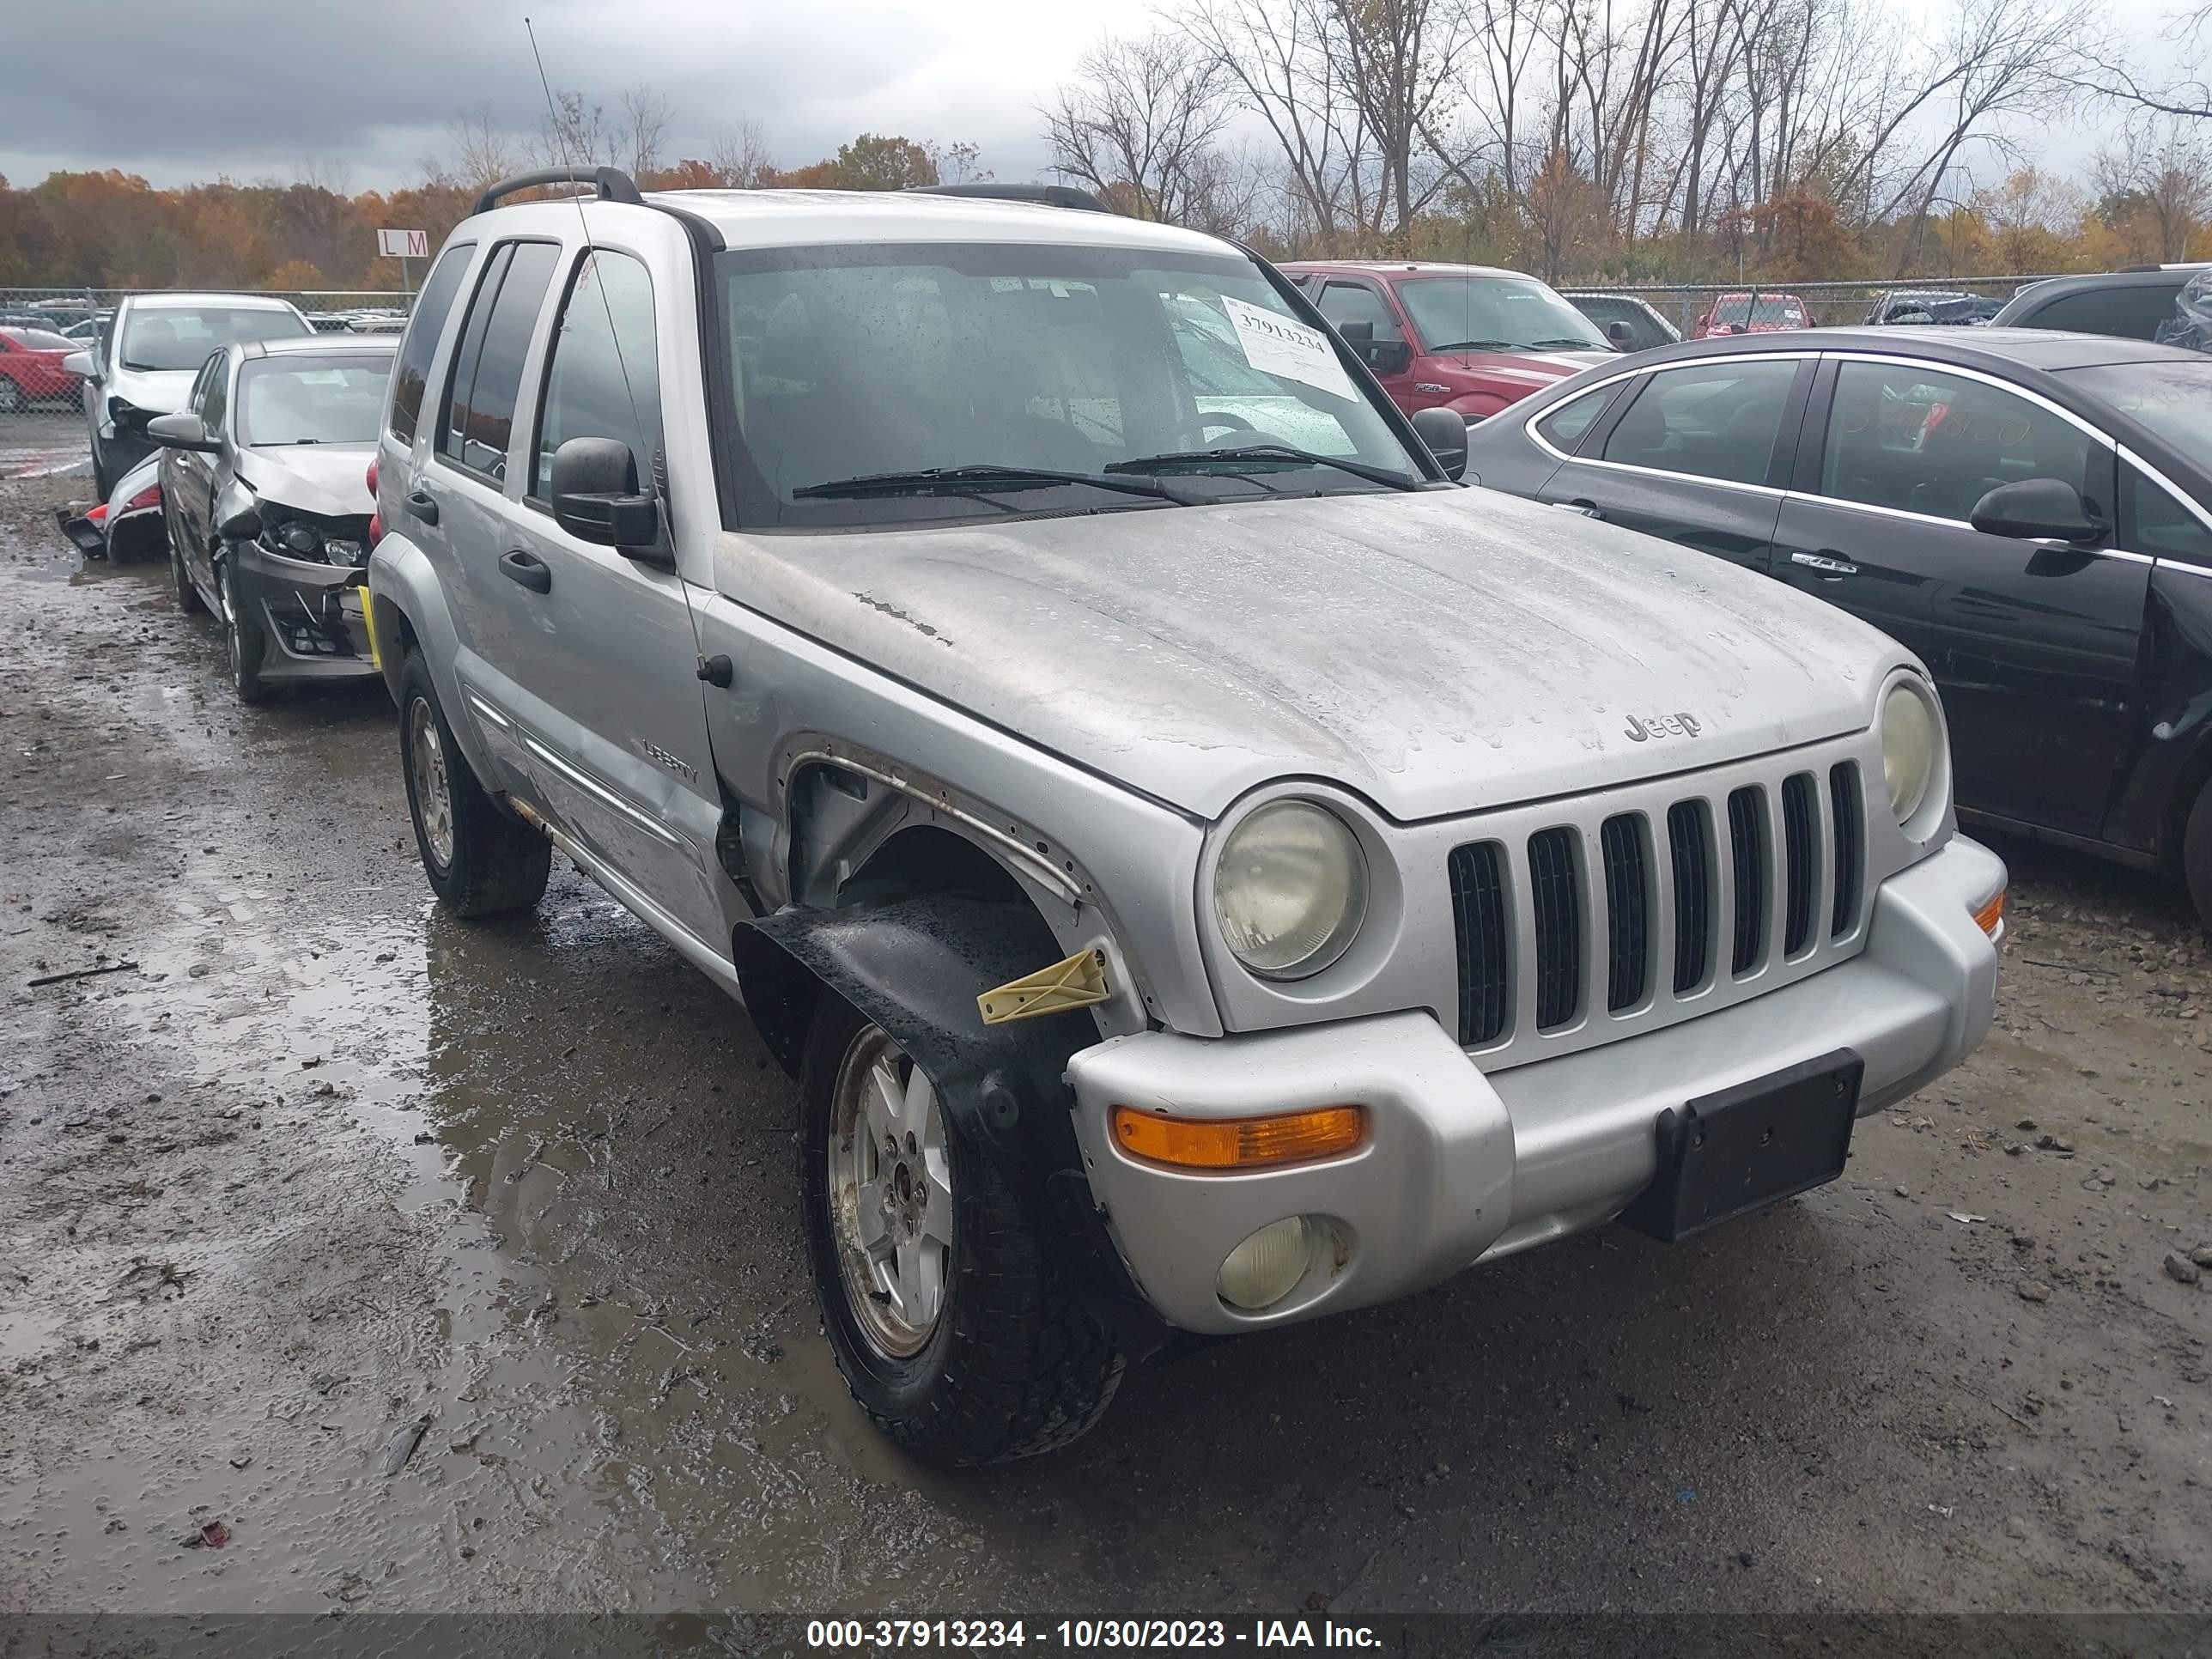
(243, 639)
(2197, 855)
(479, 861)
(953, 1332)
(188, 593)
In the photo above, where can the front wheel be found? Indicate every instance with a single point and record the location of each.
(479, 861)
(243, 639)
(181, 576)
(2197, 855)
(12, 400)
(952, 1330)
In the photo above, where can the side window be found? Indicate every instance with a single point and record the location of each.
(1718, 420)
(1564, 426)
(604, 380)
(479, 421)
(410, 375)
(1923, 440)
(1356, 303)
(2153, 521)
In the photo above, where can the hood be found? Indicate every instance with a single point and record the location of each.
(1534, 370)
(331, 479)
(1437, 653)
(160, 391)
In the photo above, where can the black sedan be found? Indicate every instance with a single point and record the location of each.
(2030, 512)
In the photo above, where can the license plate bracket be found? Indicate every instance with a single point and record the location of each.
(1737, 1149)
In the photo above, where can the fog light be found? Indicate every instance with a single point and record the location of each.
(1264, 1268)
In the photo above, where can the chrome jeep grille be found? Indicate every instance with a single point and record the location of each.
(1638, 910)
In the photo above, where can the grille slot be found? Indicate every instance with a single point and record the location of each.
(1747, 811)
(1553, 889)
(1690, 837)
(1627, 911)
(1845, 804)
(1486, 972)
(1801, 844)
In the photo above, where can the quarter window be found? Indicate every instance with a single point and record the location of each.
(604, 380)
(1564, 426)
(410, 376)
(479, 423)
(2153, 521)
(1716, 420)
(1922, 440)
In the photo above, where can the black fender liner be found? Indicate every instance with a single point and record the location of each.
(916, 966)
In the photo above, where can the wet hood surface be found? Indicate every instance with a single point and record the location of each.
(1438, 653)
(327, 478)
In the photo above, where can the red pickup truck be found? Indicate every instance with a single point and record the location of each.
(1466, 337)
(1752, 313)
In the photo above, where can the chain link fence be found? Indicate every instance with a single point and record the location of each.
(1825, 305)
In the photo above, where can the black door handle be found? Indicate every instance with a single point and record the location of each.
(532, 572)
(424, 506)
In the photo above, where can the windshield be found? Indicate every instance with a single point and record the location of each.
(185, 337)
(311, 400)
(1496, 313)
(2174, 399)
(877, 362)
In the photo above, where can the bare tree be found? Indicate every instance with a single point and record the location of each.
(740, 156)
(958, 164)
(2162, 177)
(1137, 121)
(479, 152)
(644, 117)
(1401, 60)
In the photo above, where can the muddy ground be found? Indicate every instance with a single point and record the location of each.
(321, 1163)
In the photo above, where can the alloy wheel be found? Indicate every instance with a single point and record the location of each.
(891, 1194)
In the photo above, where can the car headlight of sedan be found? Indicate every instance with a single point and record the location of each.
(1289, 889)
(1911, 739)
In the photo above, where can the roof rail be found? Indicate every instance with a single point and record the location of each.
(612, 183)
(1059, 196)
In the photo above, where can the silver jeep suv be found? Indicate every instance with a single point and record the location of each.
(1205, 869)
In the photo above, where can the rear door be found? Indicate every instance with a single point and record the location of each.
(619, 726)
(1694, 454)
(2033, 646)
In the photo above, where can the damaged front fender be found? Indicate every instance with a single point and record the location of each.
(916, 966)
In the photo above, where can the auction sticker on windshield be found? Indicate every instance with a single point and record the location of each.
(1276, 345)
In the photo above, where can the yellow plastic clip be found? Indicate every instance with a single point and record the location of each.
(1075, 983)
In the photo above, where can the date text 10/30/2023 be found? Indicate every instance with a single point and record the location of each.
(868, 1635)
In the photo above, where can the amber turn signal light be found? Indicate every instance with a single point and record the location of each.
(1239, 1143)
(1990, 916)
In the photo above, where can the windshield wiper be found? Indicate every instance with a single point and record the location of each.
(1480, 345)
(978, 480)
(1198, 460)
(1578, 345)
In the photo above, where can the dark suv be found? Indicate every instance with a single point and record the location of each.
(2132, 304)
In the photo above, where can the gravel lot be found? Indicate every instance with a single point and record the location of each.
(322, 1163)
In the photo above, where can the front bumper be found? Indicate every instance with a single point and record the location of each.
(1461, 1167)
(308, 613)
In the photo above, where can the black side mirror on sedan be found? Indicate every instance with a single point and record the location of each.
(596, 498)
(181, 431)
(1444, 431)
(2037, 510)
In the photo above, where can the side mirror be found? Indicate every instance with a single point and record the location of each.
(80, 364)
(243, 526)
(181, 431)
(596, 498)
(1388, 357)
(1444, 431)
(2037, 510)
(1620, 334)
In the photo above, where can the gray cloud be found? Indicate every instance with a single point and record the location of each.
(261, 88)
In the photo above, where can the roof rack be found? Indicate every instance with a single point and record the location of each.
(1059, 196)
(612, 183)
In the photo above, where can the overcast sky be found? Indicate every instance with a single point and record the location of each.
(360, 94)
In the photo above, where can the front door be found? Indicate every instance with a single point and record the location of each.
(188, 476)
(1694, 457)
(2033, 645)
(1360, 311)
(619, 748)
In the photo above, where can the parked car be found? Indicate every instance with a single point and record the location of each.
(1463, 337)
(1629, 323)
(128, 525)
(1172, 859)
(2131, 304)
(264, 484)
(145, 364)
(31, 369)
(1910, 305)
(1751, 314)
(2029, 513)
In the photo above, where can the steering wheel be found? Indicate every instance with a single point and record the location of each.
(1225, 421)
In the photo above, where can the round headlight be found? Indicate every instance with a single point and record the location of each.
(1909, 737)
(300, 538)
(1291, 890)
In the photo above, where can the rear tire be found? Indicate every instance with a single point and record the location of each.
(479, 861)
(1007, 1363)
(2197, 855)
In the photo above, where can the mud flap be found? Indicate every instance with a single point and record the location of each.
(916, 966)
